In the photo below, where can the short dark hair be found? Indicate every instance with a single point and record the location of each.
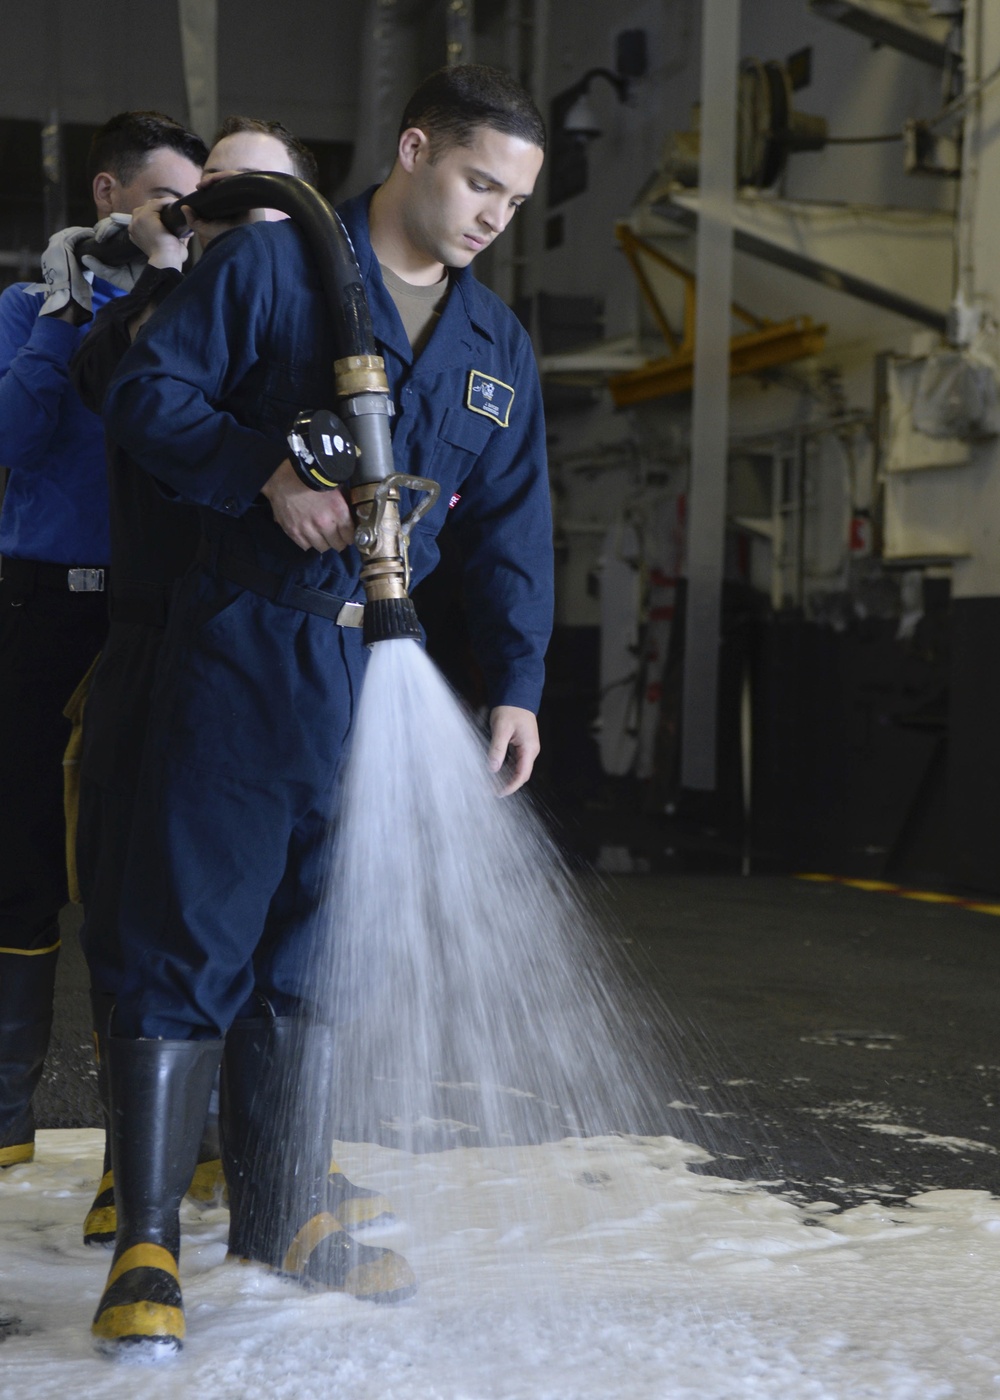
(124, 143)
(454, 102)
(303, 160)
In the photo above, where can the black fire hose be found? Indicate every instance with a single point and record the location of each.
(362, 389)
(327, 238)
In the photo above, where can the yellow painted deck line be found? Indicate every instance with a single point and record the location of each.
(977, 906)
(931, 897)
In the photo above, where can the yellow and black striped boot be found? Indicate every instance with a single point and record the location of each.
(207, 1184)
(159, 1096)
(207, 1188)
(27, 980)
(276, 1154)
(101, 1222)
(355, 1207)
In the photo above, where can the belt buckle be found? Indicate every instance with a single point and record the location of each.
(85, 580)
(351, 615)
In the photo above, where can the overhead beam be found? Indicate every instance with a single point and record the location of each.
(797, 237)
(919, 33)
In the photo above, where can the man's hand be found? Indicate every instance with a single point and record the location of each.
(124, 276)
(207, 229)
(515, 731)
(68, 285)
(313, 519)
(148, 232)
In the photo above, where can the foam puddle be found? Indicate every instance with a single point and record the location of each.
(644, 1280)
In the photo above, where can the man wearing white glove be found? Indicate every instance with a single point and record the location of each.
(69, 275)
(54, 548)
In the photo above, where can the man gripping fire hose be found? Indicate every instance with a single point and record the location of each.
(261, 666)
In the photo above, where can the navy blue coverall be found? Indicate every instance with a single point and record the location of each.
(255, 697)
(153, 541)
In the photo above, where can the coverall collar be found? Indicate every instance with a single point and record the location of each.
(465, 314)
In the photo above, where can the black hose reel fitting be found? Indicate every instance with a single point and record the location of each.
(322, 451)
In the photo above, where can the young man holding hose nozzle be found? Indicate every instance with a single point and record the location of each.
(262, 664)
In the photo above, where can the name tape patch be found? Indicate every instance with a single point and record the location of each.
(490, 397)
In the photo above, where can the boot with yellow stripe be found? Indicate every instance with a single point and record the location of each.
(101, 1222)
(206, 1189)
(27, 981)
(355, 1207)
(207, 1186)
(159, 1097)
(283, 1205)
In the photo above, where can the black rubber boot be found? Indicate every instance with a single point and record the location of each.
(159, 1097)
(27, 983)
(101, 1222)
(207, 1185)
(277, 1164)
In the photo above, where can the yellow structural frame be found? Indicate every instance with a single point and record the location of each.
(765, 345)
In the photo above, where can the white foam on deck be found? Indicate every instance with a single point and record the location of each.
(571, 1271)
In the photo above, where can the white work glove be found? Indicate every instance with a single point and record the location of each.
(126, 276)
(65, 280)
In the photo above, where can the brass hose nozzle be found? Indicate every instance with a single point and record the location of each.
(381, 537)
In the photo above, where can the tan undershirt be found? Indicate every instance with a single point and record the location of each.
(419, 307)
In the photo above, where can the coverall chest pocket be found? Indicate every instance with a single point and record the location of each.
(461, 440)
(467, 430)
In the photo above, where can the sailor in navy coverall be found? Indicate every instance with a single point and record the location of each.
(260, 675)
(257, 696)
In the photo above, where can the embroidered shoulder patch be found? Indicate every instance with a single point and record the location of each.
(490, 397)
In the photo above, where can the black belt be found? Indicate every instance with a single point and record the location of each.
(30, 573)
(282, 588)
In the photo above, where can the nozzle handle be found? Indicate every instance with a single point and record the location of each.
(366, 532)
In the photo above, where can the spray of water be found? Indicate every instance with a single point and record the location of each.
(474, 996)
